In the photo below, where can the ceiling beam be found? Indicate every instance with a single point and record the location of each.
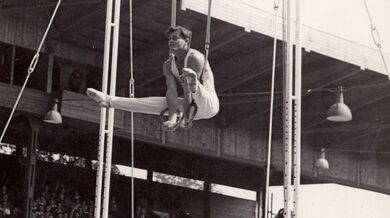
(321, 79)
(228, 39)
(365, 145)
(371, 140)
(243, 98)
(82, 21)
(158, 8)
(84, 42)
(157, 55)
(139, 35)
(346, 128)
(265, 66)
(123, 38)
(329, 75)
(358, 137)
(85, 19)
(150, 26)
(239, 70)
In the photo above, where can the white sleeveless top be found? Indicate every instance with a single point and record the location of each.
(174, 69)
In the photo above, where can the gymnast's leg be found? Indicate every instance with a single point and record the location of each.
(147, 105)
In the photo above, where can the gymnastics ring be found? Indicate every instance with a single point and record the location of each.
(174, 127)
(188, 123)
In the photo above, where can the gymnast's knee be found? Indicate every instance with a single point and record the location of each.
(214, 110)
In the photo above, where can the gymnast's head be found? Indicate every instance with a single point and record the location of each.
(178, 37)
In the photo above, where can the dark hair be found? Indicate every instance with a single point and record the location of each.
(184, 32)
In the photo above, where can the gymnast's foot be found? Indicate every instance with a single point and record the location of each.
(173, 122)
(99, 97)
(191, 78)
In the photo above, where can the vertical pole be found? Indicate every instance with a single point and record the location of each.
(64, 77)
(358, 170)
(103, 111)
(13, 64)
(30, 167)
(315, 169)
(208, 27)
(206, 198)
(287, 107)
(131, 95)
(260, 196)
(269, 147)
(297, 111)
(173, 12)
(49, 83)
(271, 204)
(111, 111)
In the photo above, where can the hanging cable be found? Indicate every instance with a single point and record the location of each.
(131, 93)
(173, 13)
(207, 39)
(173, 20)
(376, 38)
(269, 150)
(30, 70)
(208, 27)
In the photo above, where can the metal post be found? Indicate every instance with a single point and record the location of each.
(131, 95)
(13, 56)
(31, 167)
(271, 205)
(287, 108)
(269, 148)
(297, 111)
(111, 111)
(103, 111)
(260, 206)
(49, 84)
(206, 198)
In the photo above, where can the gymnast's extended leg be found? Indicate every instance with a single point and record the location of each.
(147, 105)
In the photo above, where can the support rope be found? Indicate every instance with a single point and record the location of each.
(269, 150)
(208, 27)
(131, 92)
(30, 70)
(376, 38)
(207, 40)
(173, 13)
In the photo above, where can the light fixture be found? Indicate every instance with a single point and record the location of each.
(321, 161)
(53, 116)
(339, 112)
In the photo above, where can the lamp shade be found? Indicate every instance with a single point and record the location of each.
(321, 161)
(53, 116)
(339, 112)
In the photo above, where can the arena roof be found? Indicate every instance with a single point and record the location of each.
(338, 29)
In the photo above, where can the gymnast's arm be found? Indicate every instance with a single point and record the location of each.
(196, 63)
(171, 93)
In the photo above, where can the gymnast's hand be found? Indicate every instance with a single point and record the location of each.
(188, 71)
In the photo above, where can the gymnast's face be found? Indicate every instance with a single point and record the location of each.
(176, 41)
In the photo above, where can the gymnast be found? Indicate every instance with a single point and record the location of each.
(186, 68)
